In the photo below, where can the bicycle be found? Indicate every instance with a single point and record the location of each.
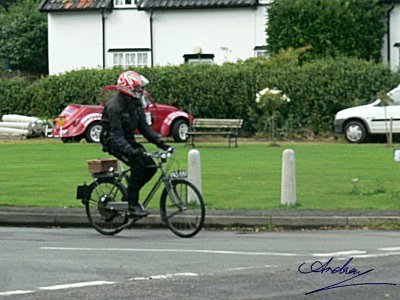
(182, 207)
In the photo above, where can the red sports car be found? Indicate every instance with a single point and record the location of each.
(78, 121)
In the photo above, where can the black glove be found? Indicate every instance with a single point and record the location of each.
(163, 146)
(136, 154)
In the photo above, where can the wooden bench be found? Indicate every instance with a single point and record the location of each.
(224, 127)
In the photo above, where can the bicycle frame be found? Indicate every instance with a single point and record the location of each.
(107, 208)
(163, 179)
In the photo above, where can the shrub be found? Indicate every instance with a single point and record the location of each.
(267, 110)
(13, 95)
(332, 27)
(317, 89)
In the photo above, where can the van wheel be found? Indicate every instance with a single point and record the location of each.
(179, 131)
(355, 132)
(93, 132)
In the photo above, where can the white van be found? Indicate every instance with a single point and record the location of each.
(357, 123)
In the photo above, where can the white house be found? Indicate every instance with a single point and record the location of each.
(107, 33)
(391, 45)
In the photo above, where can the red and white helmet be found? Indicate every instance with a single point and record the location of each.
(130, 83)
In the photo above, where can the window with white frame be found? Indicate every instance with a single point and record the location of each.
(130, 58)
(396, 45)
(199, 58)
(260, 51)
(125, 3)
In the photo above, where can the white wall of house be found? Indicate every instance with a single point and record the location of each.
(229, 34)
(394, 38)
(75, 41)
(126, 28)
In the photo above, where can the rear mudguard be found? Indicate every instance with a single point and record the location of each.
(165, 129)
(90, 118)
(73, 130)
(85, 123)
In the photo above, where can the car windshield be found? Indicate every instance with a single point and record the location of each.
(69, 110)
(395, 98)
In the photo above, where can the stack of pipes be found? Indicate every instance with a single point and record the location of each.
(18, 125)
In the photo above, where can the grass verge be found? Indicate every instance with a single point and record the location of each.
(329, 176)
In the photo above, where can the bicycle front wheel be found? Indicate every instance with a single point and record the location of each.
(101, 192)
(183, 211)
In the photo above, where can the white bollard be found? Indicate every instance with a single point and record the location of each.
(194, 169)
(288, 184)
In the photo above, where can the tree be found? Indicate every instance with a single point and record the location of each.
(6, 3)
(331, 27)
(23, 37)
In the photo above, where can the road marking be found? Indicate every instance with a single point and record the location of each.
(165, 276)
(75, 285)
(351, 252)
(249, 268)
(173, 250)
(19, 292)
(390, 249)
(377, 255)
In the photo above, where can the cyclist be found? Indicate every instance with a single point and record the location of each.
(122, 115)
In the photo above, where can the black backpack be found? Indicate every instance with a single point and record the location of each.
(105, 134)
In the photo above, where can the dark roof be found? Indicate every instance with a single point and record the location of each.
(178, 4)
(87, 5)
(74, 5)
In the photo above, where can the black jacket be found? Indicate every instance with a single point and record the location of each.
(121, 116)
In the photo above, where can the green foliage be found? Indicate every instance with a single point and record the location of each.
(317, 89)
(6, 3)
(13, 96)
(331, 27)
(23, 37)
(49, 95)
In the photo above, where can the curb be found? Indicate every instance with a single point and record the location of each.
(74, 217)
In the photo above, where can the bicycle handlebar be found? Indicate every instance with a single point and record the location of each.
(161, 154)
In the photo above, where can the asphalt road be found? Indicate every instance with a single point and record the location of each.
(39, 263)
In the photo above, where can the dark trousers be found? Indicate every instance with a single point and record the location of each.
(142, 170)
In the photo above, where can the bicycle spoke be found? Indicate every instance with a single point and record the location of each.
(183, 210)
(172, 214)
(104, 220)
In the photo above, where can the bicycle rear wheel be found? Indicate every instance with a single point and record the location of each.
(101, 192)
(185, 213)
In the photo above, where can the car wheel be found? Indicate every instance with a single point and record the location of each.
(355, 132)
(179, 131)
(93, 133)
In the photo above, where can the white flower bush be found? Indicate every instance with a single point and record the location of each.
(268, 94)
(268, 101)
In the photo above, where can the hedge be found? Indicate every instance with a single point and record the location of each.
(13, 96)
(334, 27)
(318, 89)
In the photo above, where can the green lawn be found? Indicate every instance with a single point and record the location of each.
(46, 173)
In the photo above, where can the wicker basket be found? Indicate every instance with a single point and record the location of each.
(102, 165)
